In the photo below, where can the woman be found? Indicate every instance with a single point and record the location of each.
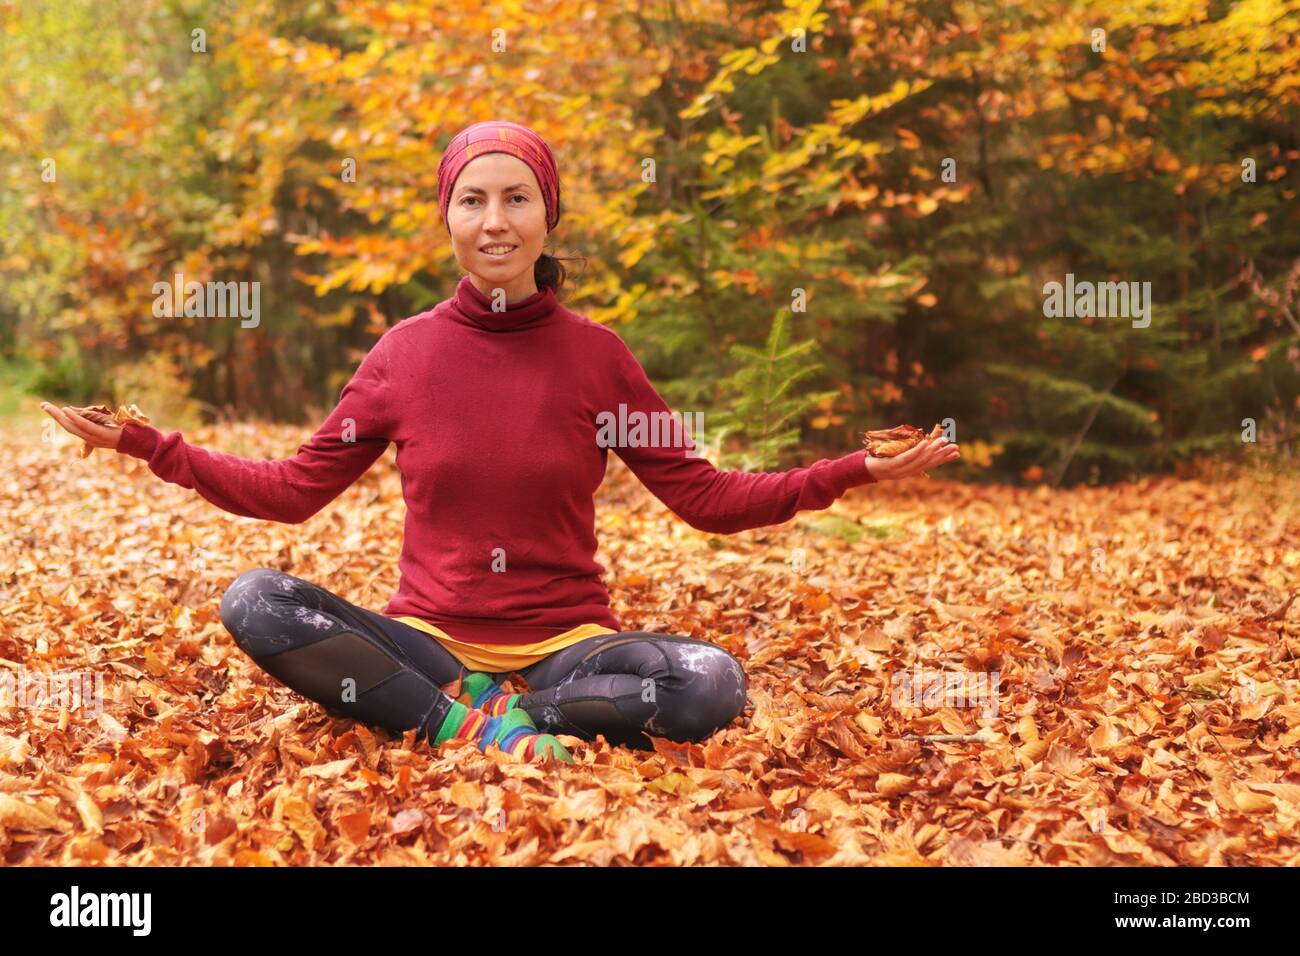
(492, 398)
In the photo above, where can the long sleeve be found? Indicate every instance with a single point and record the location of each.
(724, 501)
(288, 490)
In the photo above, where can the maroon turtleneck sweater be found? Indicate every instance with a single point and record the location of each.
(495, 419)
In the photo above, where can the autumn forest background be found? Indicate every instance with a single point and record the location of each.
(807, 218)
(920, 171)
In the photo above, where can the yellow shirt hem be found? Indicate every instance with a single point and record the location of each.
(505, 657)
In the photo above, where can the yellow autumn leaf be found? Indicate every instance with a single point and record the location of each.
(24, 813)
(892, 784)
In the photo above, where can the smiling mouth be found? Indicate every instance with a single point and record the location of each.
(500, 252)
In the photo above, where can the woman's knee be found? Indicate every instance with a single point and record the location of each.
(244, 608)
(711, 693)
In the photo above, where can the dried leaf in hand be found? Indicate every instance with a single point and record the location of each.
(103, 415)
(131, 415)
(892, 442)
(100, 415)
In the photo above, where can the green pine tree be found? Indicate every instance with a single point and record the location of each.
(767, 408)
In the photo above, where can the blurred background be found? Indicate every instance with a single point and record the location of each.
(808, 219)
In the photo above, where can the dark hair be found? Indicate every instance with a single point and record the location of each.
(549, 274)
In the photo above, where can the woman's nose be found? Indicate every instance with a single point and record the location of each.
(495, 216)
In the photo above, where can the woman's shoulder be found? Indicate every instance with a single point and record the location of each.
(597, 334)
(410, 328)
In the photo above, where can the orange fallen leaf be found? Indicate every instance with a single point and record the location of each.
(18, 813)
(103, 415)
(892, 442)
(891, 784)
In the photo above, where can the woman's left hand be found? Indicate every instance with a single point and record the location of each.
(92, 433)
(927, 454)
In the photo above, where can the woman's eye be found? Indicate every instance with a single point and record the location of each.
(515, 196)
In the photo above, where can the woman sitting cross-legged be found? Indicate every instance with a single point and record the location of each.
(494, 399)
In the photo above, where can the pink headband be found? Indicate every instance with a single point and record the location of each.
(500, 136)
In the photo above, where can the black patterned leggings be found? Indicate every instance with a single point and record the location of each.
(372, 668)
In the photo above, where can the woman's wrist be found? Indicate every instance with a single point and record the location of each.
(138, 441)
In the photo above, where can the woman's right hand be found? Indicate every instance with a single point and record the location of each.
(927, 454)
(73, 422)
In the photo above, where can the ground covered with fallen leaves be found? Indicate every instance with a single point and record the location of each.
(1145, 648)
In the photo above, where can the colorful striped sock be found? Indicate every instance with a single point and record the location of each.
(513, 732)
(485, 695)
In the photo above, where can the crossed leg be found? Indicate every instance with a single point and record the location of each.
(381, 671)
(635, 683)
(348, 659)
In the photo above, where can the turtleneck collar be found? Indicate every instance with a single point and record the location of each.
(474, 307)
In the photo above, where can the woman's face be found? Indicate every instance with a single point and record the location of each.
(496, 201)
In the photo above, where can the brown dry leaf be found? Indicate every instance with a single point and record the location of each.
(355, 826)
(300, 817)
(103, 415)
(91, 816)
(25, 813)
(875, 640)
(407, 820)
(1254, 802)
(811, 847)
(891, 784)
(892, 442)
(467, 794)
(584, 805)
(1289, 792)
(329, 771)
